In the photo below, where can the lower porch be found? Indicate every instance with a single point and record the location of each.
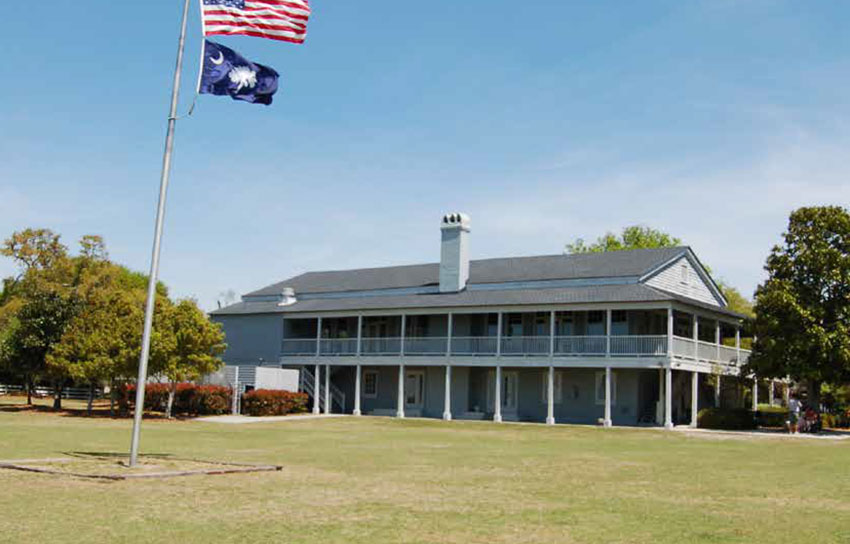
(594, 396)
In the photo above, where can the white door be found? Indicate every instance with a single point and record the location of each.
(414, 388)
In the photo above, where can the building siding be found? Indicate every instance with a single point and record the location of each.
(671, 280)
(251, 338)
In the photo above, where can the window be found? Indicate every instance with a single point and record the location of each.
(370, 384)
(685, 273)
(558, 383)
(600, 388)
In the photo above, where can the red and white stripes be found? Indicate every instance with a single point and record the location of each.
(284, 20)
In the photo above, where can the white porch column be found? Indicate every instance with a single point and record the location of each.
(317, 390)
(755, 393)
(497, 395)
(359, 334)
(717, 391)
(328, 400)
(403, 325)
(786, 390)
(447, 403)
(608, 333)
(696, 337)
(659, 411)
(607, 421)
(770, 392)
(738, 345)
(319, 337)
(399, 412)
(668, 398)
(670, 325)
(357, 373)
(499, 334)
(550, 396)
(694, 398)
(717, 340)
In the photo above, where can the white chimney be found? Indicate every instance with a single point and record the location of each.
(454, 253)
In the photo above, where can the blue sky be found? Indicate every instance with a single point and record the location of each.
(544, 120)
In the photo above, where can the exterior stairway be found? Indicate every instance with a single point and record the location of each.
(308, 385)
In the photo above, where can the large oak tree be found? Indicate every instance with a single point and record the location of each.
(803, 309)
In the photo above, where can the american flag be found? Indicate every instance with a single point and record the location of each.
(284, 20)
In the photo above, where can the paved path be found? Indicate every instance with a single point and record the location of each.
(240, 420)
(767, 433)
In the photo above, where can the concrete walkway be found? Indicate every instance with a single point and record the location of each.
(766, 433)
(240, 420)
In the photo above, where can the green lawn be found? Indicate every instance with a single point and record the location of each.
(382, 480)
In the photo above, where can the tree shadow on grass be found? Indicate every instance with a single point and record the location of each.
(100, 410)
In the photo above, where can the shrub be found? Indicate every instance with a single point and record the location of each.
(265, 402)
(737, 419)
(190, 399)
(840, 420)
(771, 416)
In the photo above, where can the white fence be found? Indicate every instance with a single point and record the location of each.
(75, 393)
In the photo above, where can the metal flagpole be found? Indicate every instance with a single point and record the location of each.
(160, 216)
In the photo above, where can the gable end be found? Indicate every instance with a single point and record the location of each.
(686, 276)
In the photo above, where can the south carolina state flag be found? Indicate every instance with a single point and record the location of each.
(226, 72)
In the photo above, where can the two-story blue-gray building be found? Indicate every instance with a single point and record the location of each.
(621, 338)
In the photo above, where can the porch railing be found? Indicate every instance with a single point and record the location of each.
(474, 345)
(426, 346)
(655, 345)
(525, 345)
(513, 346)
(580, 345)
(707, 351)
(380, 346)
(338, 346)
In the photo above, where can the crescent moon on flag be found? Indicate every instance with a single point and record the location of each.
(219, 60)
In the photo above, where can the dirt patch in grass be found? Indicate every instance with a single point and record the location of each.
(115, 467)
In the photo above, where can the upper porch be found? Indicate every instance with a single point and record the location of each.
(656, 335)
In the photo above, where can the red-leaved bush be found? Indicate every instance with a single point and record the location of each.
(190, 399)
(265, 402)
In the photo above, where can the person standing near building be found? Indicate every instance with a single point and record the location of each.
(794, 408)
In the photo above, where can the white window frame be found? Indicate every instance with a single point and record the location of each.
(365, 393)
(600, 386)
(685, 273)
(558, 388)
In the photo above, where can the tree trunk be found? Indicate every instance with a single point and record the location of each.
(171, 392)
(814, 394)
(91, 398)
(57, 395)
(28, 381)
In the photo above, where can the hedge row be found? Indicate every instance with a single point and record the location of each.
(836, 421)
(738, 419)
(190, 399)
(265, 402)
(771, 416)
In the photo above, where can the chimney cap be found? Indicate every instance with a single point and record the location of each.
(455, 220)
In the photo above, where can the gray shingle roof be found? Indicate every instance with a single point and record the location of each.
(633, 292)
(614, 264)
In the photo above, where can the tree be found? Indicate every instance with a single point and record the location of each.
(803, 308)
(185, 346)
(101, 342)
(34, 249)
(633, 237)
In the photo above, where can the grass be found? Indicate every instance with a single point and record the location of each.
(382, 480)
